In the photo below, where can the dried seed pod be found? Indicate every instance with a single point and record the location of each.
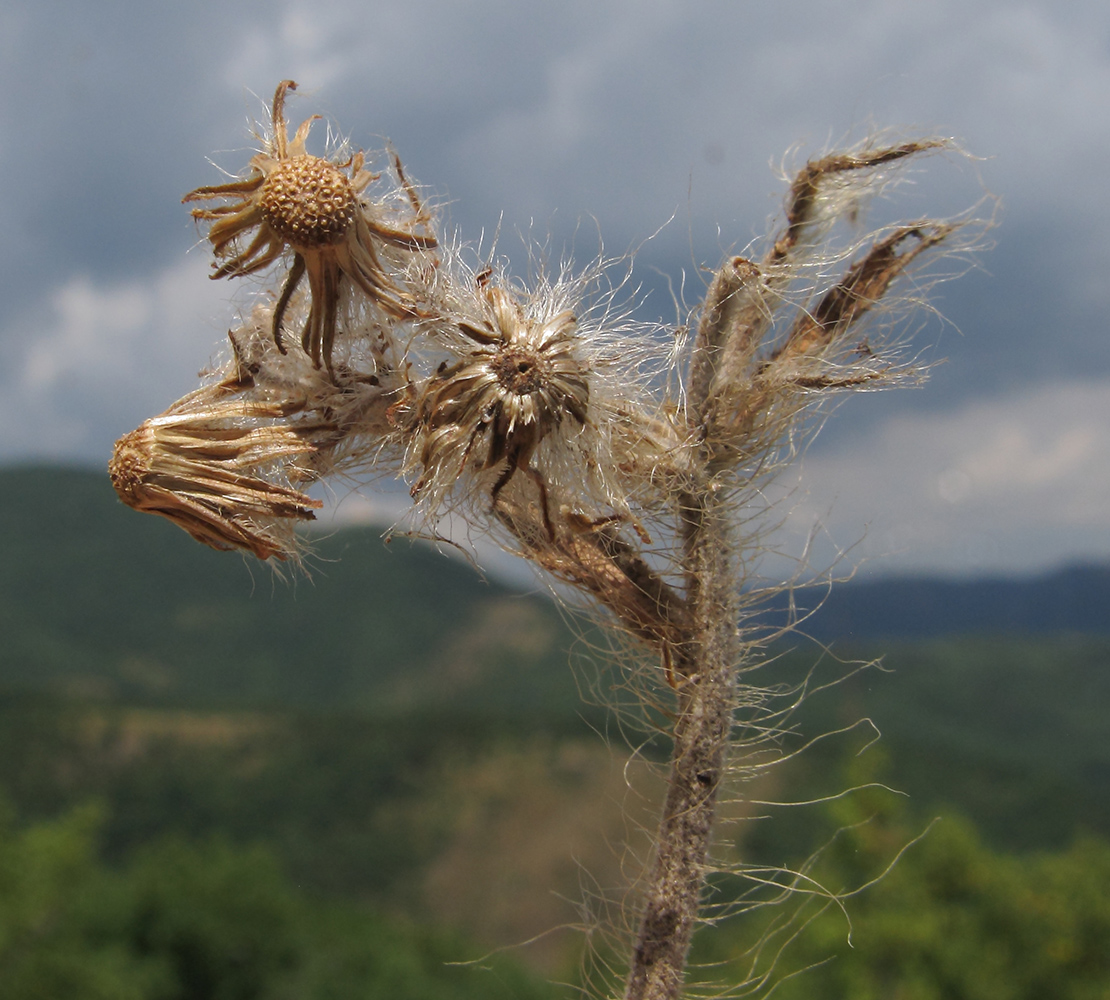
(314, 207)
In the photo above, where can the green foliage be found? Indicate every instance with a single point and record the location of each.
(222, 920)
(100, 605)
(49, 884)
(1013, 731)
(1010, 731)
(953, 920)
(207, 921)
(344, 799)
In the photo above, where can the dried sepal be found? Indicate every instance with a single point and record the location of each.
(866, 282)
(735, 311)
(829, 187)
(742, 301)
(314, 207)
(745, 392)
(594, 558)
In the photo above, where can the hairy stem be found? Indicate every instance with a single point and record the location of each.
(706, 664)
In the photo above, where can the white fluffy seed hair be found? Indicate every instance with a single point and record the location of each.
(592, 362)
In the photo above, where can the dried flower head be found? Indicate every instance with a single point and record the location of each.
(518, 381)
(228, 463)
(200, 465)
(314, 207)
(536, 381)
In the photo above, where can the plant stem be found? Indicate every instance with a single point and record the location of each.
(706, 666)
(706, 660)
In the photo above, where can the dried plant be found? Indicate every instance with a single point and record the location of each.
(627, 462)
(312, 207)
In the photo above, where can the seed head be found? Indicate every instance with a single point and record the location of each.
(308, 202)
(517, 381)
(538, 399)
(291, 200)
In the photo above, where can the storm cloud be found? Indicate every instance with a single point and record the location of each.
(570, 120)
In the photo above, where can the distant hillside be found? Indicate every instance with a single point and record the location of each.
(126, 618)
(1072, 600)
(98, 601)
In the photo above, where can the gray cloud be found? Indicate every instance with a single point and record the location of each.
(1008, 483)
(97, 358)
(548, 117)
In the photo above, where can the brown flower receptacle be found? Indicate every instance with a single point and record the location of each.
(292, 200)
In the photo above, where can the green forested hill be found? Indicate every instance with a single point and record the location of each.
(100, 602)
(102, 606)
(398, 736)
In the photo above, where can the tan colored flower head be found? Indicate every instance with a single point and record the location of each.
(200, 465)
(519, 379)
(228, 463)
(313, 207)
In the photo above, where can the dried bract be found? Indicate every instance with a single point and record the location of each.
(764, 354)
(198, 465)
(314, 207)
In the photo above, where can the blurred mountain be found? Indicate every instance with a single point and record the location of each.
(397, 720)
(101, 603)
(97, 601)
(1073, 600)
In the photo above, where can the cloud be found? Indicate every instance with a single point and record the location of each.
(95, 360)
(1010, 484)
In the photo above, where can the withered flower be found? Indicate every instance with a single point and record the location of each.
(520, 379)
(198, 464)
(228, 463)
(312, 206)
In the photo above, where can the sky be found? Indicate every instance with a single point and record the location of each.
(659, 124)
